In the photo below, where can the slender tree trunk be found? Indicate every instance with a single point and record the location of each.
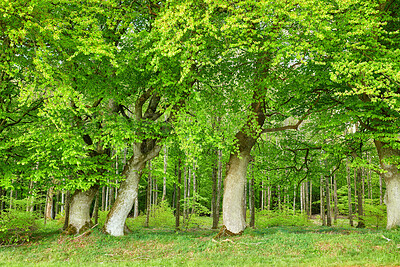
(164, 192)
(178, 196)
(360, 197)
(95, 214)
(1, 199)
(279, 198)
(136, 206)
(49, 203)
(269, 197)
(148, 197)
(103, 198)
(219, 187)
(335, 198)
(294, 200)
(215, 215)
(349, 195)
(328, 203)
(355, 190)
(194, 189)
(67, 205)
(252, 198)
(322, 197)
(79, 211)
(380, 189)
(184, 215)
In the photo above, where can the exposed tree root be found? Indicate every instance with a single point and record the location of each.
(224, 232)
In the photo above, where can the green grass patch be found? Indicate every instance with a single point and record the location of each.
(307, 245)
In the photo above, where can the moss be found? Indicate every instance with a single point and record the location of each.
(224, 232)
(72, 230)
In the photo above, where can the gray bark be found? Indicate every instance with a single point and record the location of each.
(79, 211)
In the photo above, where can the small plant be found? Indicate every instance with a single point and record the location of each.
(16, 227)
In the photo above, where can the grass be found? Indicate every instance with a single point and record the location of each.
(279, 246)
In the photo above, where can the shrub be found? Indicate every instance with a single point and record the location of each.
(267, 218)
(162, 215)
(16, 226)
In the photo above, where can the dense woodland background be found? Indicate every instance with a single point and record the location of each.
(235, 110)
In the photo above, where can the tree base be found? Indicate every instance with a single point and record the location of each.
(72, 230)
(224, 232)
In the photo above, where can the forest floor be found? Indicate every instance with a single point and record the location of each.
(278, 246)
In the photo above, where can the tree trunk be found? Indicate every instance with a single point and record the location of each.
(148, 197)
(233, 201)
(360, 197)
(252, 206)
(380, 189)
(194, 194)
(103, 198)
(136, 207)
(143, 152)
(219, 187)
(164, 192)
(67, 205)
(322, 198)
(178, 196)
(269, 197)
(79, 211)
(328, 203)
(95, 213)
(335, 198)
(49, 203)
(349, 195)
(294, 200)
(215, 215)
(392, 180)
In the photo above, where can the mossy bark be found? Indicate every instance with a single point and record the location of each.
(79, 211)
(389, 159)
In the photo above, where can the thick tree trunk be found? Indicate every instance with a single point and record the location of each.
(392, 180)
(79, 211)
(233, 201)
(143, 152)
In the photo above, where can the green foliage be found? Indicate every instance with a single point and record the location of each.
(16, 226)
(285, 217)
(162, 215)
(374, 214)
